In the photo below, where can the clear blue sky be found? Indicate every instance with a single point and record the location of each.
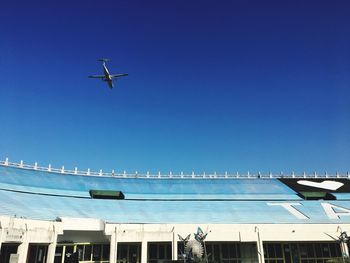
(212, 86)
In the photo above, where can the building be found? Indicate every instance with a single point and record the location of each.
(53, 215)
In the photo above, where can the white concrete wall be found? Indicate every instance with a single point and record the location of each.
(25, 231)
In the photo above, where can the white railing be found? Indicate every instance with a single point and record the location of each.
(192, 175)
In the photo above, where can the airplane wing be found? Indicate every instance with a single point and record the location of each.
(118, 75)
(97, 76)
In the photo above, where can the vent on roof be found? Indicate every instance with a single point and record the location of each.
(317, 196)
(106, 194)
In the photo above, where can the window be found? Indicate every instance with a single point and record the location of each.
(37, 253)
(302, 252)
(159, 251)
(228, 252)
(87, 253)
(129, 253)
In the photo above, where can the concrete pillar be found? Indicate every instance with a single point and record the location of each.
(174, 247)
(113, 254)
(52, 248)
(22, 252)
(144, 251)
(259, 246)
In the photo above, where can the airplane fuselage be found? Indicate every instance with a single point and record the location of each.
(108, 77)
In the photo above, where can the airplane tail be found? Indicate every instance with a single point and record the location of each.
(103, 59)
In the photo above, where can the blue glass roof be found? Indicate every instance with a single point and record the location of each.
(145, 188)
(150, 211)
(46, 195)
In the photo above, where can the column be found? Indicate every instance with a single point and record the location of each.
(144, 251)
(174, 248)
(23, 251)
(259, 247)
(113, 247)
(52, 248)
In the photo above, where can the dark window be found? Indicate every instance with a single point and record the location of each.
(87, 252)
(129, 252)
(122, 252)
(325, 250)
(80, 251)
(68, 254)
(37, 253)
(133, 253)
(225, 251)
(303, 250)
(58, 254)
(96, 252)
(232, 251)
(310, 250)
(265, 251)
(271, 250)
(180, 249)
(278, 250)
(105, 252)
(159, 251)
(153, 250)
(318, 250)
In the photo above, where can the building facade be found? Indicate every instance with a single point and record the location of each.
(57, 216)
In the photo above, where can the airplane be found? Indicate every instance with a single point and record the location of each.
(107, 77)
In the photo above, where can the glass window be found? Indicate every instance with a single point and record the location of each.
(58, 254)
(278, 250)
(265, 250)
(169, 252)
(87, 252)
(96, 252)
(68, 254)
(225, 250)
(318, 250)
(310, 250)
(271, 250)
(80, 251)
(153, 251)
(133, 253)
(32, 251)
(216, 253)
(129, 252)
(332, 250)
(105, 252)
(122, 251)
(232, 251)
(325, 250)
(180, 249)
(160, 251)
(303, 250)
